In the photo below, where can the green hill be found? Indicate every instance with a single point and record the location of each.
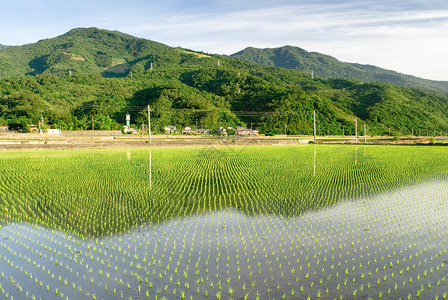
(92, 74)
(3, 47)
(82, 50)
(324, 66)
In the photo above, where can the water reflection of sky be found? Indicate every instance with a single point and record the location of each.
(389, 243)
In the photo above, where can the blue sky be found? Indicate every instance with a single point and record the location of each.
(408, 36)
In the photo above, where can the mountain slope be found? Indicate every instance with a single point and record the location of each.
(3, 47)
(69, 85)
(324, 66)
(90, 51)
(220, 96)
(82, 50)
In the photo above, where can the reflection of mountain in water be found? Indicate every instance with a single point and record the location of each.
(105, 192)
(339, 248)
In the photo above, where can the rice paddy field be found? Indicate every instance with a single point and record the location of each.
(256, 222)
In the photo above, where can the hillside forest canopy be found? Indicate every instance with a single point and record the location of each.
(91, 78)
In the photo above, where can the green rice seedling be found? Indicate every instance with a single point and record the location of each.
(263, 222)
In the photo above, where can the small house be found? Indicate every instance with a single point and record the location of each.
(221, 130)
(170, 129)
(129, 130)
(203, 131)
(242, 131)
(33, 128)
(245, 131)
(53, 131)
(187, 130)
(4, 128)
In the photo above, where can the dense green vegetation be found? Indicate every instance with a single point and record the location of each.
(73, 102)
(92, 78)
(324, 66)
(3, 47)
(317, 221)
(48, 186)
(85, 51)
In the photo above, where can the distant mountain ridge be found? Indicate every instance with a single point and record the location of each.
(324, 66)
(113, 54)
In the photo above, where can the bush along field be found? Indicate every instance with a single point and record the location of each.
(255, 222)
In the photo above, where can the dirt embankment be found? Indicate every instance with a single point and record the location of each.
(115, 139)
(99, 139)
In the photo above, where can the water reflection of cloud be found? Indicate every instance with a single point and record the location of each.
(338, 248)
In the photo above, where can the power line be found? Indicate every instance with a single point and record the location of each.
(242, 113)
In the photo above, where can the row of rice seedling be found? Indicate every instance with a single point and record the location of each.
(263, 223)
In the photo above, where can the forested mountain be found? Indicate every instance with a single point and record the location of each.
(91, 74)
(82, 50)
(324, 66)
(3, 47)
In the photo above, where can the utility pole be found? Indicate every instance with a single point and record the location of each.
(365, 134)
(356, 130)
(41, 124)
(314, 122)
(93, 128)
(149, 124)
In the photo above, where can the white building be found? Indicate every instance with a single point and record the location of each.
(53, 131)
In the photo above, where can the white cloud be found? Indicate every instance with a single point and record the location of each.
(408, 41)
(404, 35)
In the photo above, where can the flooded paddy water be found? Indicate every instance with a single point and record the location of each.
(291, 222)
